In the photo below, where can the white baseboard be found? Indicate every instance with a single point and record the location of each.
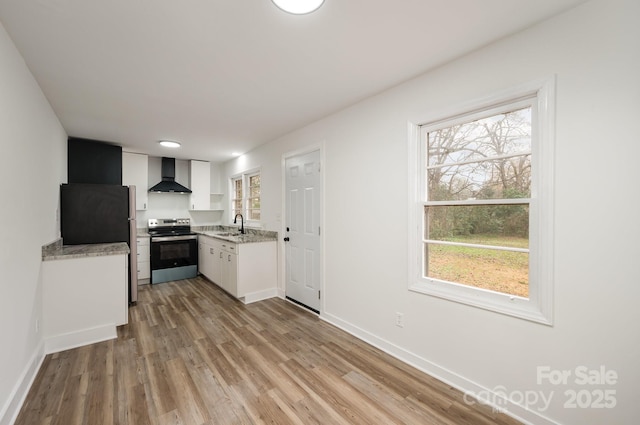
(12, 407)
(459, 382)
(87, 336)
(260, 295)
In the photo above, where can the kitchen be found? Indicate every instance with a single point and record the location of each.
(99, 216)
(366, 206)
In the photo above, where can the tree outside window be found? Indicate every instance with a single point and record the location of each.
(236, 200)
(254, 197)
(476, 211)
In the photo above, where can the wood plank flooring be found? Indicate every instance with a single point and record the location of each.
(193, 355)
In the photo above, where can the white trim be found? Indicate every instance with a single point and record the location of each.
(502, 201)
(476, 108)
(475, 245)
(459, 382)
(12, 406)
(538, 307)
(260, 295)
(249, 171)
(80, 338)
(475, 160)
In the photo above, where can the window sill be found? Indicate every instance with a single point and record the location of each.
(510, 305)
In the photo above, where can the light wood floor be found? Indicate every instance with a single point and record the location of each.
(193, 355)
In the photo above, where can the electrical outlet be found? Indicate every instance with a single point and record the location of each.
(400, 320)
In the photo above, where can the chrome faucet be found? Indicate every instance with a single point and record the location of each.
(235, 221)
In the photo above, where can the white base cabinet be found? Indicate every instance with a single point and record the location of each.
(84, 299)
(247, 271)
(208, 254)
(144, 260)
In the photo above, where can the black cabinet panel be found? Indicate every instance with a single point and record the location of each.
(94, 162)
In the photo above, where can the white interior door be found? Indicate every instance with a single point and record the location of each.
(302, 233)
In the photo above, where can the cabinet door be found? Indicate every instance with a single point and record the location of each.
(144, 271)
(216, 254)
(229, 273)
(202, 255)
(207, 254)
(214, 261)
(200, 186)
(223, 270)
(232, 273)
(135, 172)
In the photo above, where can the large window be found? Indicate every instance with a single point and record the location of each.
(245, 195)
(484, 183)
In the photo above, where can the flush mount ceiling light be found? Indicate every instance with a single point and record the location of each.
(298, 7)
(169, 143)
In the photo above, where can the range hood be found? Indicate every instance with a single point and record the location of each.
(168, 183)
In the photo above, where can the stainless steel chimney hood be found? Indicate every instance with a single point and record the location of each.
(168, 183)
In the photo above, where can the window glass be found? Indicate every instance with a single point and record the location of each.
(471, 162)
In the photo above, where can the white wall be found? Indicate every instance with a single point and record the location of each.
(593, 51)
(33, 165)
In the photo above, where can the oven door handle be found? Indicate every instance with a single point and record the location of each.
(173, 238)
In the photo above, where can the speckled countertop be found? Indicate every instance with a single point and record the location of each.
(230, 234)
(57, 251)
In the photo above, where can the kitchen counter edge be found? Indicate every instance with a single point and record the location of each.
(57, 251)
(252, 236)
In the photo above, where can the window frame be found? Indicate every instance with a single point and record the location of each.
(245, 199)
(538, 307)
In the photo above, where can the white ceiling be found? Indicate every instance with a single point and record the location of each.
(225, 76)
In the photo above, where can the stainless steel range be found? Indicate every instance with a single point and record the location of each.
(174, 249)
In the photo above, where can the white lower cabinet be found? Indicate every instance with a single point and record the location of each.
(144, 260)
(208, 254)
(84, 299)
(228, 266)
(247, 271)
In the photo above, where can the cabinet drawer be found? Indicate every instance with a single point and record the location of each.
(143, 241)
(229, 247)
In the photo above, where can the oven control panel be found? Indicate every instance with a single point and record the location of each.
(168, 222)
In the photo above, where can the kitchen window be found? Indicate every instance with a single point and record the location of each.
(253, 200)
(245, 200)
(236, 199)
(481, 225)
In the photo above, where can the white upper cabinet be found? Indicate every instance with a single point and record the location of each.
(135, 172)
(200, 172)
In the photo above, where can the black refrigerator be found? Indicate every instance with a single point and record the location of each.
(101, 213)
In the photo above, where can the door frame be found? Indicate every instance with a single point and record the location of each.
(282, 291)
